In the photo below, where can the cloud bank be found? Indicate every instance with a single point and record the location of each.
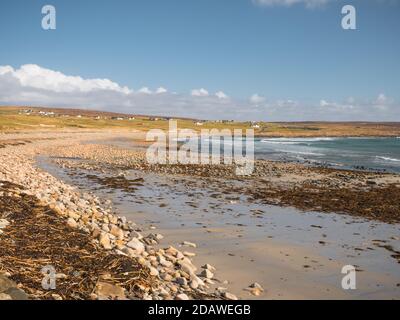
(32, 85)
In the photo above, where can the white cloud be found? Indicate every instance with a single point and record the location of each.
(200, 93)
(257, 99)
(288, 3)
(31, 85)
(31, 75)
(6, 69)
(145, 90)
(161, 90)
(324, 103)
(221, 95)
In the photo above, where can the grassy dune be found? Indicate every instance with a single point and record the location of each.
(12, 119)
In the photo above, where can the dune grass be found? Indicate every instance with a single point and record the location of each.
(12, 120)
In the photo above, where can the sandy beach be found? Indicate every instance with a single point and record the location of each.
(283, 233)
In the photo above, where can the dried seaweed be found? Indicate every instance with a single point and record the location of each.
(380, 203)
(37, 237)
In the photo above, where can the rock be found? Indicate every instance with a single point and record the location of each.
(120, 244)
(9, 289)
(166, 277)
(196, 282)
(256, 285)
(171, 250)
(164, 293)
(189, 254)
(154, 271)
(93, 296)
(107, 291)
(189, 244)
(209, 267)
(113, 218)
(73, 215)
(255, 289)
(117, 232)
(96, 232)
(159, 236)
(135, 234)
(56, 296)
(129, 252)
(4, 296)
(72, 223)
(105, 241)
(136, 245)
(179, 255)
(182, 296)
(181, 281)
(164, 262)
(229, 296)
(187, 266)
(207, 274)
(123, 220)
(3, 223)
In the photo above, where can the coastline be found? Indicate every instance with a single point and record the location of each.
(109, 166)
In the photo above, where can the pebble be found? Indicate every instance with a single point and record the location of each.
(136, 245)
(209, 267)
(3, 223)
(4, 296)
(229, 296)
(189, 244)
(72, 223)
(189, 254)
(154, 271)
(255, 289)
(182, 281)
(105, 241)
(117, 232)
(182, 296)
(207, 274)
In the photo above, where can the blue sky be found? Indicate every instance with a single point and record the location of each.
(288, 57)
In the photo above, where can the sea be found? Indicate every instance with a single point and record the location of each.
(380, 153)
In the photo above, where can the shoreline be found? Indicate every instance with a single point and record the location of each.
(274, 182)
(67, 150)
(161, 210)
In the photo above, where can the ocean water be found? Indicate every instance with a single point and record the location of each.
(354, 153)
(376, 154)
